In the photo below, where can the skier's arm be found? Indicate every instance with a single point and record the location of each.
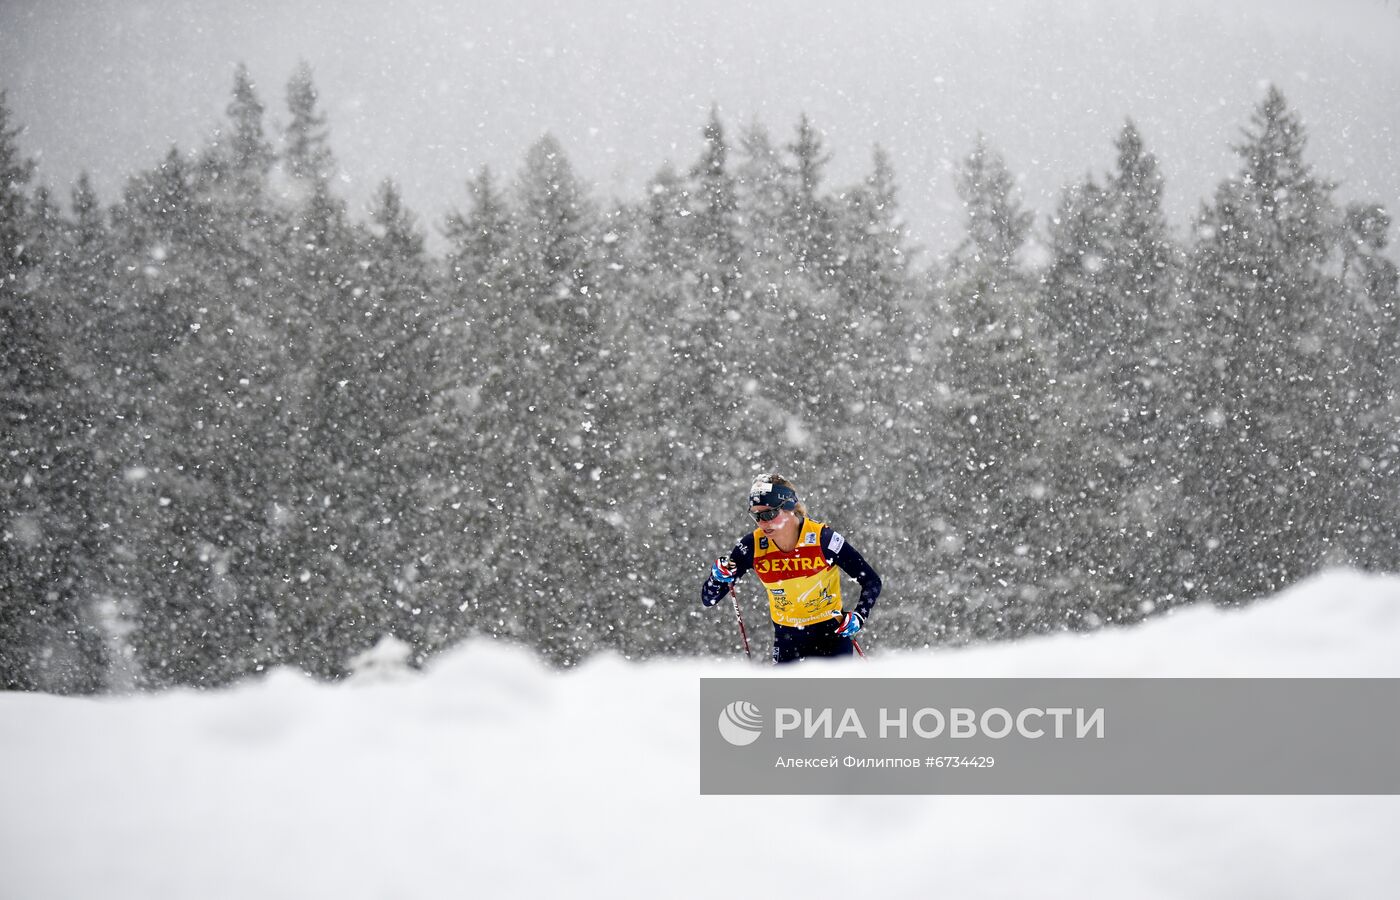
(713, 590)
(854, 565)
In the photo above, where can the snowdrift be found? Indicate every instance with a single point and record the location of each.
(490, 774)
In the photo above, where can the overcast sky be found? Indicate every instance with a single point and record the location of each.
(427, 92)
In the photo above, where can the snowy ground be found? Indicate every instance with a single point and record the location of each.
(490, 775)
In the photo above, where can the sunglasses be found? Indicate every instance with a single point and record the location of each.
(766, 515)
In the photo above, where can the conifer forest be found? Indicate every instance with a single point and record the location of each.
(244, 424)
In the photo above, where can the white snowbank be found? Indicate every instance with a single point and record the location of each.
(492, 775)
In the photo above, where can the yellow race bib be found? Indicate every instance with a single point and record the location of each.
(803, 587)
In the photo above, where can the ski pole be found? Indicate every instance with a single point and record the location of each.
(743, 632)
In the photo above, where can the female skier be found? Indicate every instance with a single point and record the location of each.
(796, 560)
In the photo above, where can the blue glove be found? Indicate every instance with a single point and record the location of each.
(723, 570)
(850, 623)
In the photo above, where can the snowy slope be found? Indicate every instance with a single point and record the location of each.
(491, 775)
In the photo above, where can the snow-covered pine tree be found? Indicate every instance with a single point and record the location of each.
(157, 291)
(792, 325)
(991, 448)
(482, 356)
(398, 466)
(306, 151)
(681, 268)
(241, 155)
(1110, 298)
(872, 245)
(1272, 448)
(872, 285)
(48, 639)
(714, 199)
(318, 228)
(558, 447)
(674, 333)
(1368, 326)
(760, 189)
(220, 459)
(808, 216)
(478, 249)
(83, 274)
(880, 428)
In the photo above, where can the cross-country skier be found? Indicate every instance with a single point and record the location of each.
(797, 559)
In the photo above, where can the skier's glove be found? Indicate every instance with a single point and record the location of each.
(723, 570)
(850, 623)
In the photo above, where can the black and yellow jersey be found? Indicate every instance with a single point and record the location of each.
(803, 584)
